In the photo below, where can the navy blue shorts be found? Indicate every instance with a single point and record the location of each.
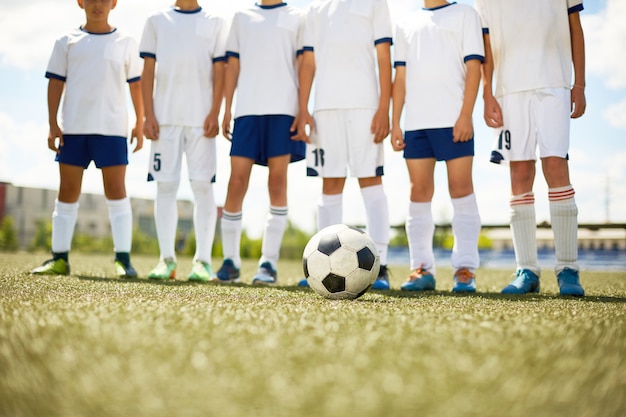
(262, 137)
(435, 143)
(104, 151)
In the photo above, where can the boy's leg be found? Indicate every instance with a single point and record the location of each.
(330, 206)
(204, 220)
(277, 219)
(465, 224)
(377, 213)
(120, 217)
(564, 219)
(231, 224)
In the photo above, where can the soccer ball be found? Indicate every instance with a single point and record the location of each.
(340, 262)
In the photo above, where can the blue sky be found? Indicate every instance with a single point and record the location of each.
(598, 139)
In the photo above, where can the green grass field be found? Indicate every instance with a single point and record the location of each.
(90, 345)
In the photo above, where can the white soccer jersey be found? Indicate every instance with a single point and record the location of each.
(343, 35)
(266, 40)
(96, 69)
(185, 45)
(530, 42)
(435, 44)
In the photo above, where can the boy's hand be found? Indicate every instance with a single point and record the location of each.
(380, 125)
(211, 125)
(579, 102)
(397, 139)
(463, 129)
(54, 133)
(151, 128)
(137, 136)
(302, 127)
(226, 125)
(493, 112)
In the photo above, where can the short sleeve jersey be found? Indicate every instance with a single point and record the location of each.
(185, 45)
(434, 45)
(266, 40)
(530, 42)
(343, 35)
(96, 69)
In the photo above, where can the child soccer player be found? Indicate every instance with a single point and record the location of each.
(262, 49)
(89, 67)
(530, 49)
(438, 54)
(184, 59)
(346, 42)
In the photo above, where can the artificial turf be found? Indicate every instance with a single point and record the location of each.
(92, 345)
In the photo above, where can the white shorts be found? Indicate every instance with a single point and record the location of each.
(166, 154)
(533, 118)
(342, 140)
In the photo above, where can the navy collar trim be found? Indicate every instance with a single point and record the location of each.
(96, 33)
(198, 10)
(439, 7)
(273, 6)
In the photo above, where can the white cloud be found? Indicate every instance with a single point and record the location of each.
(616, 115)
(605, 33)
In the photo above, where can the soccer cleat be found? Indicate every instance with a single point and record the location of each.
(228, 273)
(57, 266)
(569, 283)
(303, 283)
(200, 271)
(525, 281)
(464, 281)
(124, 270)
(266, 275)
(419, 280)
(382, 281)
(165, 269)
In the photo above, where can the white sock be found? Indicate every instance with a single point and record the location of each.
(166, 217)
(231, 236)
(63, 222)
(329, 210)
(377, 212)
(466, 229)
(420, 229)
(564, 219)
(204, 219)
(273, 235)
(121, 218)
(524, 231)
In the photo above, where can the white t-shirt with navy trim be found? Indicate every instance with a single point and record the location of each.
(343, 35)
(434, 45)
(185, 45)
(267, 41)
(530, 42)
(96, 69)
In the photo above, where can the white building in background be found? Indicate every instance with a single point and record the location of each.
(29, 206)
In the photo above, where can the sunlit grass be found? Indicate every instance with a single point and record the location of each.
(90, 345)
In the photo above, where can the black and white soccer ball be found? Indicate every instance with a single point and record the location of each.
(341, 262)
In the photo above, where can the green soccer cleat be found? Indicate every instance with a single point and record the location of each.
(124, 270)
(165, 269)
(200, 271)
(57, 266)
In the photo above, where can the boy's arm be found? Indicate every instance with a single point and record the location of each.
(398, 97)
(306, 73)
(230, 84)
(151, 124)
(493, 112)
(211, 123)
(55, 91)
(380, 124)
(137, 99)
(463, 129)
(579, 102)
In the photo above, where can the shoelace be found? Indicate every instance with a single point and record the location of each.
(464, 276)
(418, 273)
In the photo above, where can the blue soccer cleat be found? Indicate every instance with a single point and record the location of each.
(526, 281)
(464, 281)
(419, 280)
(382, 281)
(569, 283)
(266, 275)
(228, 273)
